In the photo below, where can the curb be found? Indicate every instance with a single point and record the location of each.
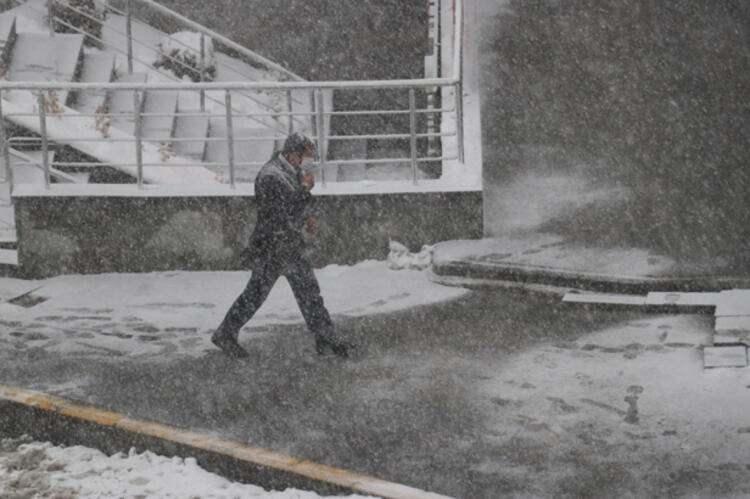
(48, 418)
(571, 280)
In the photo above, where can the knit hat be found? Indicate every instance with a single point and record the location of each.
(298, 143)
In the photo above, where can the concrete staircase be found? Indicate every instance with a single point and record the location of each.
(29, 53)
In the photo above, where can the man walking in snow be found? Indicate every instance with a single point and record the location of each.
(284, 202)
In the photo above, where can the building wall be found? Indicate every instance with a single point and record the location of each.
(134, 234)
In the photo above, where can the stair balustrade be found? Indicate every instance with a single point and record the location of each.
(98, 146)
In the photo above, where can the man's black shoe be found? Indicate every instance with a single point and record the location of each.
(229, 346)
(336, 346)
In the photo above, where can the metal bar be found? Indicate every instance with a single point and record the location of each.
(389, 112)
(129, 30)
(364, 161)
(138, 137)
(247, 115)
(51, 17)
(290, 120)
(42, 104)
(458, 38)
(321, 138)
(234, 86)
(230, 137)
(262, 138)
(4, 143)
(393, 160)
(413, 133)
(203, 70)
(314, 116)
(460, 120)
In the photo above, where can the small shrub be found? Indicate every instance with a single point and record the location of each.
(79, 16)
(181, 53)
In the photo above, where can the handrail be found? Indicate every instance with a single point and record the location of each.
(222, 39)
(239, 85)
(458, 39)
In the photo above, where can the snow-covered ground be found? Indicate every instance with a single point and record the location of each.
(35, 469)
(172, 313)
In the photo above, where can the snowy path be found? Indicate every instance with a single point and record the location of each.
(172, 313)
(492, 395)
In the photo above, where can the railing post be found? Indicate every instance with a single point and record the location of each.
(51, 17)
(230, 136)
(322, 153)
(138, 136)
(202, 68)
(4, 143)
(290, 120)
(313, 116)
(129, 33)
(413, 133)
(41, 103)
(459, 99)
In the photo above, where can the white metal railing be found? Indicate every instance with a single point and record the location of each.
(35, 115)
(132, 40)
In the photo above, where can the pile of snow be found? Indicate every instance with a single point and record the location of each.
(33, 469)
(181, 52)
(399, 257)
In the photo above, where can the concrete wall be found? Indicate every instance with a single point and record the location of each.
(94, 234)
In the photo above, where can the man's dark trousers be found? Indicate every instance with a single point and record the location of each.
(299, 273)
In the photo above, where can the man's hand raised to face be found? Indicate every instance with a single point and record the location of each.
(308, 181)
(311, 225)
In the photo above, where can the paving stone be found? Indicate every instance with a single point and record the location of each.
(732, 338)
(605, 299)
(728, 356)
(683, 299)
(732, 323)
(733, 302)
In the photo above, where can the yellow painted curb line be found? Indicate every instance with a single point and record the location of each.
(253, 455)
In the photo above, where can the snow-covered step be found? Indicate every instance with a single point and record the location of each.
(98, 67)
(258, 151)
(119, 153)
(8, 37)
(8, 257)
(158, 128)
(40, 57)
(191, 127)
(735, 302)
(725, 356)
(121, 104)
(29, 169)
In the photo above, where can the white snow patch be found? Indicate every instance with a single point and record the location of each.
(185, 46)
(178, 309)
(47, 470)
(399, 257)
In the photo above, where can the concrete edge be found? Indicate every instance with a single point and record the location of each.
(54, 419)
(573, 280)
(479, 283)
(561, 292)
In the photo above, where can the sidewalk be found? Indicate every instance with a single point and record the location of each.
(539, 258)
(467, 394)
